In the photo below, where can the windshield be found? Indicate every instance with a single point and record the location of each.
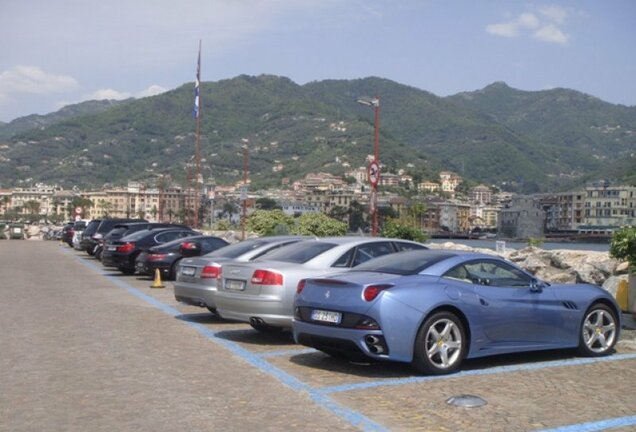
(404, 263)
(238, 249)
(299, 252)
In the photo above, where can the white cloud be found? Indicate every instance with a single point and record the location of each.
(528, 24)
(551, 33)
(31, 79)
(505, 30)
(109, 93)
(528, 20)
(554, 13)
(153, 90)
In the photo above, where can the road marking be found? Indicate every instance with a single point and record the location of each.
(595, 426)
(289, 352)
(353, 417)
(321, 395)
(480, 372)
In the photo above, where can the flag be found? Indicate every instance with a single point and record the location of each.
(197, 87)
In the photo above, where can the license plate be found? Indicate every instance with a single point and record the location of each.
(188, 271)
(112, 248)
(234, 285)
(326, 316)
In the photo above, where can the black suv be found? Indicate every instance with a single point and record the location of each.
(93, 243)
(127, 248)
(124, 229)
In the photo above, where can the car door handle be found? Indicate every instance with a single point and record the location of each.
(483, 302)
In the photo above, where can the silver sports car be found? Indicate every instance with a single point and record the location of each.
(262, 292)
(196, 278)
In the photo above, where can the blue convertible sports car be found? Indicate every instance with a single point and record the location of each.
(434, 308)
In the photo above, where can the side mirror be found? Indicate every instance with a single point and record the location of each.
(537, 286)
(190, 249)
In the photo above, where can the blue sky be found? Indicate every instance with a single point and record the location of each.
(53, 53)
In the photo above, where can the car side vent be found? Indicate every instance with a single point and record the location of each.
(570, 305)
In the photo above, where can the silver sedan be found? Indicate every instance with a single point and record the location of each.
(196, 277)
(262, 292)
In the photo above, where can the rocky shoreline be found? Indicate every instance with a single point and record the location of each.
(560, 265)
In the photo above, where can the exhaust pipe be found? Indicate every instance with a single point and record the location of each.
(376, 349)
(371, 340)
(256, 321)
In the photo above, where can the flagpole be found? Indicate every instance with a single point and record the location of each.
(197, 144)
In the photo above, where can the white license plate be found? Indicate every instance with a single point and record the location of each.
(188, 271)
(326, 316)
(112, 248)
(234, 285)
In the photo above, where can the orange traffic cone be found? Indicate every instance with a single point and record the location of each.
(157, 283)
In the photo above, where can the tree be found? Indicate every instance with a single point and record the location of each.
(319, 224)
(265, 222)
(78, 201)
(32, 206)
(267, 204)
(397, 228)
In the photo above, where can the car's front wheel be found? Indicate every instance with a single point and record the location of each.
(441, 344)
(598, 332)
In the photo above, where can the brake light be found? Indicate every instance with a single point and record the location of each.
(188, 246)
(301, 286)
(126, 248)
(156, 257)
(211, 272)
(372, 291)
(266, 277)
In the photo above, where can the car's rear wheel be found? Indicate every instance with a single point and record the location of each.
(172, 273)
(598, 332)
(441, 344)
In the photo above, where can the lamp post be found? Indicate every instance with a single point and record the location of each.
(244, 187)
(373, 170)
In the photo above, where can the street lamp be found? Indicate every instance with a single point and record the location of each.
(373, 170)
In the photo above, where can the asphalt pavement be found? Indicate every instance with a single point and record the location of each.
(83, 348)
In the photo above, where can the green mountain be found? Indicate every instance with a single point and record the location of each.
(527, 141)
(587, 137)
(23, 124)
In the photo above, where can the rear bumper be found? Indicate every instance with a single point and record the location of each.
(347, 341)
(195, 294)
(244, 307)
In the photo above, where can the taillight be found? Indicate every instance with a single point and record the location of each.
(301, 286)
(372, 291)
(156, 256)
(266, 277)
(211, 272)
(188, 246)
(126, 248)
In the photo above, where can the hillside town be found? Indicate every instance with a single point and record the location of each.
(440, 208)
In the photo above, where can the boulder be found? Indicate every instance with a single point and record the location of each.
(587, 273)
(611, 284)
(622, 268)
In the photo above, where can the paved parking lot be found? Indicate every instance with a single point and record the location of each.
(82, 348)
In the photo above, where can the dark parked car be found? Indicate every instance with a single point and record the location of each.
(125, 250)
(86, 243)
(67, 233)
(91, 244)
(165, 257)
(123, 229)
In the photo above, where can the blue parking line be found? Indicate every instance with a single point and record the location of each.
(479, 372)
(353, 417)
(289, 352)
(595, 426)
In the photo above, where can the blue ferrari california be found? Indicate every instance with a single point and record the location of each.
(434, 308)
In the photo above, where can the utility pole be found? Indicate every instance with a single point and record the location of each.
(373, 169)
(244, 188)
